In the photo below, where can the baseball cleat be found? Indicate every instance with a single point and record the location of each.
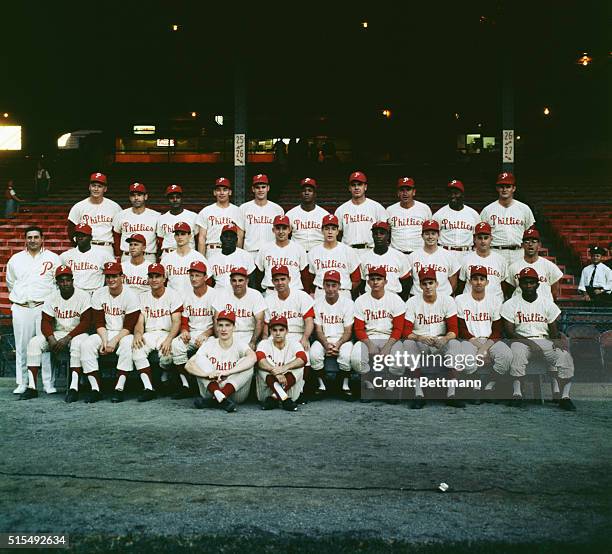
(201, 403)
(269, 404)
(147, 394)
(117, 396)
(347, 395)
(20, 389)
(289, 405)
(302, 399)
(516, 402)
(418, 403)
(567, 405)
(183, 392)
(28, 394)
(228, 405)
(455, 402)
(93, 397)
(71, 396)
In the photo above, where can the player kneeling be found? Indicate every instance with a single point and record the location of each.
(223, 367)
(281, 368)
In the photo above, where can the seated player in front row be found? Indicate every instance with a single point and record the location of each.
(223, 367)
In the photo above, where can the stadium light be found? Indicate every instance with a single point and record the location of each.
(175, 27)
(5, 114)
(456, 115)
(546, 110)
(219, 119)
(584, 60)
(387, 113)
(364, 24)
(194, 114)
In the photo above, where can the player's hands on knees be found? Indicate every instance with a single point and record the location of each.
(200, 340)
(429, 341)
(305, 343)
(439, 342)
(186, 337)
(138, 342)
(62, 343)
(166, 347)
(214, 375)
(281, 379)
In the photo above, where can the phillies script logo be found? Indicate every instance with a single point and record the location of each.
(154, 313)
(289, 314)
(46, 266)
(215, 220)
(271, 261)
(65, 314)
(388, 268)
(357, 218)
(300, 225)
(136, 280)
(475, 316)
(96, 219)
(83, 266)
(541, 278)
(437, 268)
(199, 311)
(496, 220)
(177, 270)
(240, 312)
(258, 219)
(422, 319)
(136, 227)
(463, 225)
(331, 319)
(397, 221)
(220, 365)
(376, 314)
(328, 264)
(113, 310)
(530, 318)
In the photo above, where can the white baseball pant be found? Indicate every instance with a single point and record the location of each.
(181, 352)
(500, 354)
(240, 381)
(558, 360)
(39, 345)
(317, 355)
(90, 352)
(264, 391)
(26, 324)
(152, 341)
(360, 359)
(418, 352)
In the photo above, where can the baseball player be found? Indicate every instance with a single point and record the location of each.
(30, 281)
(394, 261)
(214, 217)
(379, 322)
(406, 217)
(434, 257)
(196, 324)
(457, 222)
(482, 255)
(508, 219)
(158, 324)
(530, 321)
(228, 257)
(431, 328)
(596, 279)
(137, 219)
(357, 215)
(248, 304)
(136, 269)
(115, 312)
(333, 325)
(281, 251)
(480, 328)
(85, 262)
(176, 213)
(178, 262)
(281, 360)
(223, 367)
(306, 218)
(66, 317)
(334, 255)
(96, 211)
(548, 272)
(258, 215)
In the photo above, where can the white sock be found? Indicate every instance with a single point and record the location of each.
(345, 384)
(74, 381)
(164, 376)
(555, 386)
(219, 396)
(418, 391)
(321, 384)
(566, 389)
(146, 381)
(280, 391)
(184, 381)
(451, 391)
(120, 383)
(31, 382)
(93, 382)
(516, 388)
(490, 385)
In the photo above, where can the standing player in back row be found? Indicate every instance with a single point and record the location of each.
(508, 219)
(306, 218)
(96, 211)
(357, 215)
(176, 213)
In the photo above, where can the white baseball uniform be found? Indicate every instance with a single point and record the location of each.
(341, 258)
(30, 280)
(115, 309)
(99, 217)
(292, 255)
(306, 226)
(356, 220)
(258, 223)
(136, 277)
(296, 308)
(496, 272)
(177, 268)
(245, 308)
(157, 313)
(278, 357)
(87, 267)
(531, 320)
(444, 264)
(395, 262)
(221, 265)
(333, 318)
(406, 225)
(548, 275)
(214, 217)
(165, 228)
(457, 229)
(126, 222)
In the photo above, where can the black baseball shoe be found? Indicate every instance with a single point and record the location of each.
(228, 405)
(93, 397)
(183, 392)
(347, 394)
(269, 404)
(289, 405)
(418, 403)
(302, 399)
(567, 405)
(147, 394)
(28, 394)
(455, 402)
(516, 402)
(117, 396)
(201, 403)
(71, 396)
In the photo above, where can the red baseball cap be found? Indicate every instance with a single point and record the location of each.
(377, 270)
(112, 268)
(260, 178)
(330, 219)
(531, 233)
(483, 228)
(430, 225)
(281, 220)
(358, 176)
(223, 182)
(280, 270)
(505, 178)
(239, 271)
(456, 184)
(174, 189)
(182, 226)
(63, 270)
(528, 273)
(332, 275)
(427, 273)
(230, 229)
(478, 270)
(159, 269)
(227, 315)
(308, 182)
(278, 320)
(381, 225)
(138, 187)
(83, 228)
(97, 178)
(197, 265)
(136, 237)
(406, 182)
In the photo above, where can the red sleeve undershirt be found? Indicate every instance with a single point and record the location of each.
(302, 356)
(260, 355)
(496, 329)
(398, 327)
(360, 331)
(117, 243)
(463, 330)
(356, 276)
(84, 324)
(408, 328)
(184, 323)
(46, 325)
(130, 320)
(98, 319)
(307, 279)
(451, 325)
(309, 313)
